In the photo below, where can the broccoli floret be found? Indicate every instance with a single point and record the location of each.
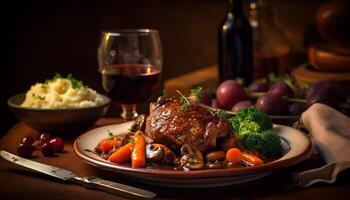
(266, 143)
(246, 127)
(253, 129)
(251, 119)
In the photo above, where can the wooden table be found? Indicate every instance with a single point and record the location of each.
(19, 183)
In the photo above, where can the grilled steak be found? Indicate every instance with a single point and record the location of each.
(169, 125)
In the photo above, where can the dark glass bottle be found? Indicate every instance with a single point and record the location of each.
(235, 45)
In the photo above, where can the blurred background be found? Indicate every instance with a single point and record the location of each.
(46, 37)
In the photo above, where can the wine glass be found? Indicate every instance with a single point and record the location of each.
(130, 62)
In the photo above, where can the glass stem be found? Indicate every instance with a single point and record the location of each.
(129, 112)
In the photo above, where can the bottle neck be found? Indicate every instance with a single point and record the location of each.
(261, 15)
(235, 7)
(261, 10)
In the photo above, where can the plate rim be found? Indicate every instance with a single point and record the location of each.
(194, 174)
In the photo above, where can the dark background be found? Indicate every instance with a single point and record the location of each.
(46, 37)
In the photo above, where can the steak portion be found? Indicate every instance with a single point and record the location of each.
(170, 126)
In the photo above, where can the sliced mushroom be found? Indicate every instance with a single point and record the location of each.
(139, 123)
(154, 154)
(192, 157)
(215, 156)
(169, 155)
(160, 153)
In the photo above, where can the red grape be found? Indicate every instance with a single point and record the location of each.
(206, 98)
(229, 93)
(296, 109)
(322, 92)
(259, 85)
(25, 150)
(271, 104)
(48, 149)
(28, 140)
(242, 104)
(58, 144)
(281, 89)
(45, 138)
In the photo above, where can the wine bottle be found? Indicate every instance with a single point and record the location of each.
(235, 45)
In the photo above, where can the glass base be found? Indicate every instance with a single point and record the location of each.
(129, 112)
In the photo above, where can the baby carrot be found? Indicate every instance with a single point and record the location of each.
(138, 157)
(233, 155)
(122, 155)
(250, 158)
(108, 144)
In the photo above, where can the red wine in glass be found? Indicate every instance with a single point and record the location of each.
(130, 83)
(130, 61)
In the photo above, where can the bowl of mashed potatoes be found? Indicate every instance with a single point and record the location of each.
(61, 104)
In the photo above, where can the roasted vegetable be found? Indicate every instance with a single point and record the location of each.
(251, 159)
(215, 156)
(138, 156)
(233, 155)
(192, 157)
(108, 144)
(122, 155)
(253, 129)
(266, 143)
(250, 120)
(160, 154)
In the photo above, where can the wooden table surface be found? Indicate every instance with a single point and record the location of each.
(19, 183)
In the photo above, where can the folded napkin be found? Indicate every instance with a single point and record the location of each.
(330, 133)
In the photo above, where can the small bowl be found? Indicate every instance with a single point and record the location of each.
(327, 58)
(59, 121)
(307, 74)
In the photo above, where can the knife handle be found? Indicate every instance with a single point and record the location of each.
(115, 188)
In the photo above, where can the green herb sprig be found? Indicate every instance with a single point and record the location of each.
(76, 84)
(222, 113)
(131, 140)
(185, 101)
(197, 92)
(165, 93)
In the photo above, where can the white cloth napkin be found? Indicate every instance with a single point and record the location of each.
(330, 132)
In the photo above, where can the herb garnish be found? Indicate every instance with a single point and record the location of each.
(110, 133)
(197, 92)
(131, 140)
(76, 84)
(222, 113)
(165, 93)
(184, 101)
(38, 97)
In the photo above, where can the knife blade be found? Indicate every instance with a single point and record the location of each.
(89, 182)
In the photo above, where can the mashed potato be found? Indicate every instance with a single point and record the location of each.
(62, 93)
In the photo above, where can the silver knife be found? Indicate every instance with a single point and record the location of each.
(89, 182)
